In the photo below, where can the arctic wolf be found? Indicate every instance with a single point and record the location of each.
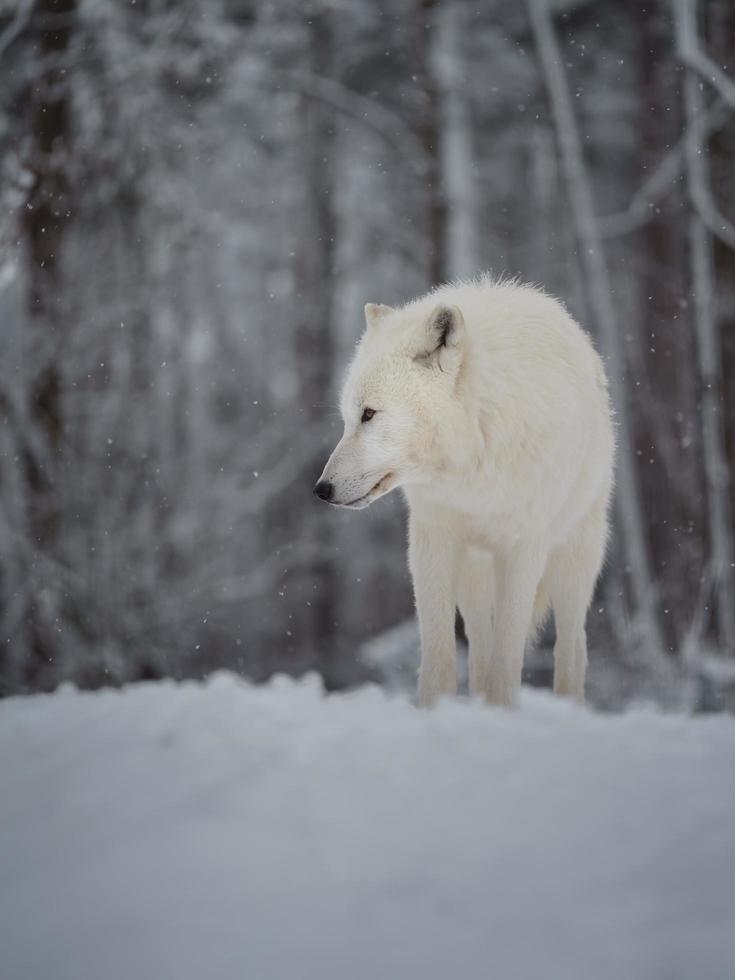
(488, 405)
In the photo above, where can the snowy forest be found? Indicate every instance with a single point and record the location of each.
(198, 197)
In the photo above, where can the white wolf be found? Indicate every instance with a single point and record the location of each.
(489, 406)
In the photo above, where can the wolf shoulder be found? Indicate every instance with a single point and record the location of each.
(508, 312)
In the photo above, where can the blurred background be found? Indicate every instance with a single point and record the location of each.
(196, 200)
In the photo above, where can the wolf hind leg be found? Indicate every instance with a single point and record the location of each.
(518, 575)
(476, 600)
(570, 577)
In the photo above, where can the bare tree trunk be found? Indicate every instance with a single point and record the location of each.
(720, 27)
(315, 340)
(429, 133)
(663, 347)
(579, 189)
(46, 215)
(457, 153)
(720, 576)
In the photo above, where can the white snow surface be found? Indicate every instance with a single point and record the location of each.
(222, 830)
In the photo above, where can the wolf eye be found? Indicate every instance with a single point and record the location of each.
(367, 414)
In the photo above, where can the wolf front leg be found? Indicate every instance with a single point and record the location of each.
(518, 576)
(433, 556)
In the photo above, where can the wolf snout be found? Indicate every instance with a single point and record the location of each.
(324, 490)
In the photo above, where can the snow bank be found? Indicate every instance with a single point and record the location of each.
(213, 831)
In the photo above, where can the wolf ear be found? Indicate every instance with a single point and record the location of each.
(443, 336)
(375, 312)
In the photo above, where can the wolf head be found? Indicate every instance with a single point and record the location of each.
(398, 396)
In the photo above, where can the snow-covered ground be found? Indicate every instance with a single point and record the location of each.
(213, 831)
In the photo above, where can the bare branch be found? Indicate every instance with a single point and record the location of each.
(385, 123)
(17, 25)
(691, 54)
(699, 189)
(640, 210)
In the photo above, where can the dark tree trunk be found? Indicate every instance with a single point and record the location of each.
(45, 218)
(315, 341)
(429, 133)
(667, 443)
(719, 37)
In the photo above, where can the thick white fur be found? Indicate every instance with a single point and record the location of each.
(501, 438)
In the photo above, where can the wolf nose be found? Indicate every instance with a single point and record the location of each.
(324, 490)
